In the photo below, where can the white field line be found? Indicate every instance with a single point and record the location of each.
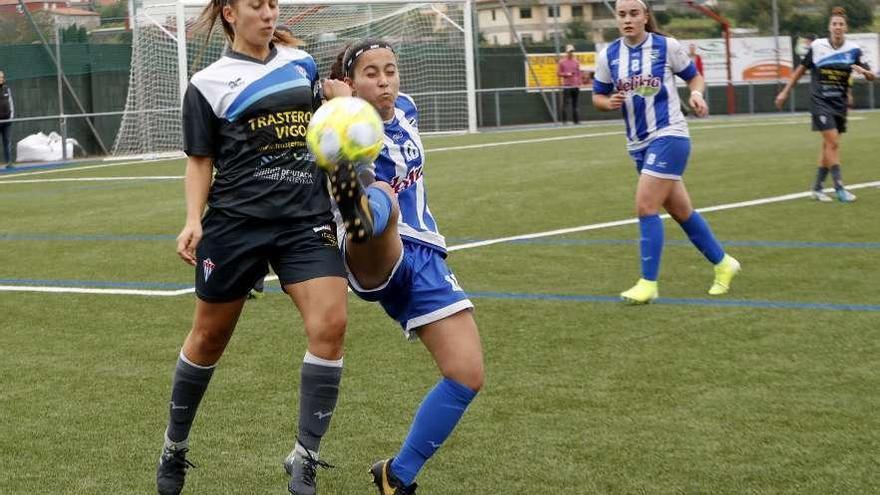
(12, 178)
(93, 179)
(82, 290)
(459, 247)
(618, 223)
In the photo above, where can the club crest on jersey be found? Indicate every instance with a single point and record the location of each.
(208, 267)
(638, 84)
(302, 71)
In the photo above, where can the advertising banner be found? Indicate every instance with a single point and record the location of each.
(545, 64)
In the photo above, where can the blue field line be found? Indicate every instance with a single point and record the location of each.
(677, 242)
(41, 166)
(93, 284)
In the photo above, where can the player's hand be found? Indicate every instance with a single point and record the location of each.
(333, 88)
(187, 242)
(698, 104)
(780, 99)
(616, 101)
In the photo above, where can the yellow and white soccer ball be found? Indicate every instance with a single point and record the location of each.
(345, 128)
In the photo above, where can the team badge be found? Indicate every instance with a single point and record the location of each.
(208, 267)
(301, 71)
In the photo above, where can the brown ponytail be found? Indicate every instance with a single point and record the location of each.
(214, 10)
(651, 26)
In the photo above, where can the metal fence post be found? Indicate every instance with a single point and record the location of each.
(497, 110)
(751, 97)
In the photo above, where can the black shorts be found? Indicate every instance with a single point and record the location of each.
(236, 252)
(826, 120)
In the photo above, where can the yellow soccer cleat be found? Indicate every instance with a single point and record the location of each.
(725, 270)
(643, 292)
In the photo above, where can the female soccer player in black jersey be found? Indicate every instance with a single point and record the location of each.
(244, 120)
(831, 61)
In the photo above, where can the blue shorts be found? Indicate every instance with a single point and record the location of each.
(420, 290)
(665, 157)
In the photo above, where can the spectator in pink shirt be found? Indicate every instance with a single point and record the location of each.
(569, 73)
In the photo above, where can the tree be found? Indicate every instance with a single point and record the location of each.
(798, 17)
(116, 12)
(577, 31)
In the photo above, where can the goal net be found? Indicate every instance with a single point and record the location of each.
(431, 40)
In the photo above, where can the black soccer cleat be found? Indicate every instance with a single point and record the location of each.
(351, 198)
(172, 470)
(387, 483)
(303, 470)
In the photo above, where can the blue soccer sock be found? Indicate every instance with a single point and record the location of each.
(380, 207)
(651, 245)
(437, 416)
(701, 235)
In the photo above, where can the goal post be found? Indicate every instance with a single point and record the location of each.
(434, 42)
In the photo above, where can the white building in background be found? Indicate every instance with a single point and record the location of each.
(540, 20)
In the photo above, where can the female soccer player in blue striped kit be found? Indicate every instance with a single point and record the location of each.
(636, 74)
(395, 255)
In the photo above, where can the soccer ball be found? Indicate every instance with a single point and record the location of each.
(345, 129)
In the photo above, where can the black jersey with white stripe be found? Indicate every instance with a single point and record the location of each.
(830, 70)
(251, 117)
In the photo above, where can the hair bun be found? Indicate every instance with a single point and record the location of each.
(838, 11)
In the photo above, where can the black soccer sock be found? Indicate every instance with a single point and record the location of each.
(318, 392)
(821, 174)
(836, 177)
(190, 383)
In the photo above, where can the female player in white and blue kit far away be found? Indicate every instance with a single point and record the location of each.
(395, 255)
(636, 74)
(244, 123)
(831, 61)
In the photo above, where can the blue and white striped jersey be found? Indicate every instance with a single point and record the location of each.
(646, 75)
(400, 164)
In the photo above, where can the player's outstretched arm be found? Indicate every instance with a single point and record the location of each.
(795, 77)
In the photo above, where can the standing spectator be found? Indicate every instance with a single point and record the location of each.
(7, 111)
(569, 73)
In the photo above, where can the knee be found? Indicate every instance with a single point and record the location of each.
(645, 209)
(206, 341)
(326, 333)
(468, 373)
(395, 208)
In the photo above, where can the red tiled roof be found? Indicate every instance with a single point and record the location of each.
(72, 11)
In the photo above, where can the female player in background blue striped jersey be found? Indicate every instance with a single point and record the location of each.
(636, 74)
(395, 255)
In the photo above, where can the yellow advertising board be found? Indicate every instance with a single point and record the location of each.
(545, 65)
